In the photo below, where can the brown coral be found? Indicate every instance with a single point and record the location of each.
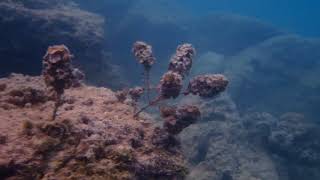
(136, 93)
(170, 85)
(58, 72)
(181, 62)
(57, 69)
(183, 117)
(207, 85)
(143, 52)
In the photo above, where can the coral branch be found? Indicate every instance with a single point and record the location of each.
(58, 72)
(143, 53)
(181, 62)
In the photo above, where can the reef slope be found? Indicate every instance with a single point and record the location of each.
(93, 137)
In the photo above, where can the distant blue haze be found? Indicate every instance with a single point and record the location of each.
(296, 16)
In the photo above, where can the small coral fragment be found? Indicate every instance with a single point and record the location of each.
(77, 77)
(207, 85)
(184, 116)
(122, 95)
(181, 62)
(136, 93)
(167, 111)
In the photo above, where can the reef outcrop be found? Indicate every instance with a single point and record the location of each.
(94, 136)
(46, 23)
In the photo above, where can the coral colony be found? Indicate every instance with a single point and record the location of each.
(171, 85)
(58, 73)
(143, 53)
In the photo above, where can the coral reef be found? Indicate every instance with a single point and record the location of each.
(93, 137)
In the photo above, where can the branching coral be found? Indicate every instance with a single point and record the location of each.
(58, 72)
(135, 94)
(143, 52)
(171, 84)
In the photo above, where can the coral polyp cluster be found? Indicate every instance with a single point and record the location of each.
(136, 93)
(207, 85)
(143, 52)
(59, 74)
(57, 69)
(177, 119)
(181, 61)
(170, 85)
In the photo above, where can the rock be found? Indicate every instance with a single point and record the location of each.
(97, 141)
(218, 150)
(46, 23)
(219, 147)
(283, 67)
(296, 139)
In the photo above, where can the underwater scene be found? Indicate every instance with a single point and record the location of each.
(159, 90)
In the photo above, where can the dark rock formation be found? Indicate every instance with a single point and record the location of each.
(284, 67)
(224, 144)
(29, 27)
(217, 147)
(296, 139)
